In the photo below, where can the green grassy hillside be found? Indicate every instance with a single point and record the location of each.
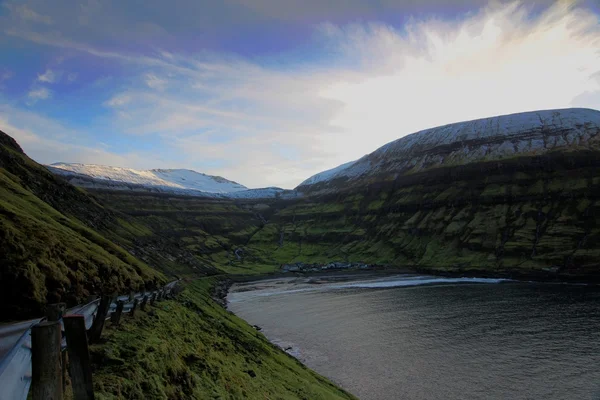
(528, 217)
(51, 246)
(192, 348)
(536, 217)
(60, 244)
(209, 229)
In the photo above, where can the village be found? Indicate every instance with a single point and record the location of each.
(315, 267)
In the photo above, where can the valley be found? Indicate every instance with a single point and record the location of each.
(430, 206)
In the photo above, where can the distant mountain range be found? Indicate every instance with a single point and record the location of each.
(178, 181)
(488, 139)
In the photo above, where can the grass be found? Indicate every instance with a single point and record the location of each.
(48, 256)
(192, 348)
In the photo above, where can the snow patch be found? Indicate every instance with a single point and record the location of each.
(158, 178)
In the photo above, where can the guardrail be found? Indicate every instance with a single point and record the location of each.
(17, 372)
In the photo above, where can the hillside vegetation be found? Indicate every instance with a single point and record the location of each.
(51, 248)
(192, 348)
(58, 243)
(527, 217)
(522, 217)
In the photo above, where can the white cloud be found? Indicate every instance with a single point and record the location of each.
(155, 82)
(37, 94)
(5, 75)
(497, 62)
(118, 100)
(269, 123)
(25, 13)
(47, 141)
(72, 77)
(48, 77)
(383, 85)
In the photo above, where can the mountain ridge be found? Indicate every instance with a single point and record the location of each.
(478, 140)
(484, 139)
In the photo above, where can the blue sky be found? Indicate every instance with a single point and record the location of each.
(269, 92)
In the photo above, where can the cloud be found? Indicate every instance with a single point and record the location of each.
(381, 85)
(499, 61)
(37, 94)
(48, 77)
(62, 143)
(118, 101)
(5, 75)
(277, 120)
(72, 77)
(25, 13)
(155, 82)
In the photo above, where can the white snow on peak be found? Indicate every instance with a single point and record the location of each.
(471, 141)
(326, 175)
(182, 179)
(504, 125)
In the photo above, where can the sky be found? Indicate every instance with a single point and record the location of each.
(270, 92)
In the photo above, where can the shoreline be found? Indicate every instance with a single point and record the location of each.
(537, 276)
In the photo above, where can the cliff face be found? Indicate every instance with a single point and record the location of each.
(528, 217)
(531, 213)
(514, 195)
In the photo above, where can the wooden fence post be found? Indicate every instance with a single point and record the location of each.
(46, 382)
(54, 312)
(80, 367)
(115, 317)
(144, 301)
(135, 303)
(96, 329)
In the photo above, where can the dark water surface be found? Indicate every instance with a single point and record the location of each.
(441, 341)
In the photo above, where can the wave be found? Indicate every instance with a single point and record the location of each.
(416, 281)
(380, 283)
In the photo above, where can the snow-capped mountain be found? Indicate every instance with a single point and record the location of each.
(488, 139)
(160, 178)
(177, 181)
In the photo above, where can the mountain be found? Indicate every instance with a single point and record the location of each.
(161, 179)
(514, 196)
(57, 243)
(176, 181)
(482, 140)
